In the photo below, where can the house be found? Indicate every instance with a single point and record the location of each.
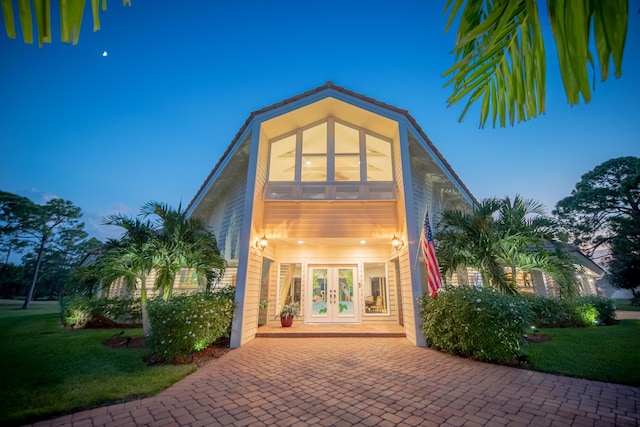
(320, 199)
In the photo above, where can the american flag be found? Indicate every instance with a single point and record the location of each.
(429, 256)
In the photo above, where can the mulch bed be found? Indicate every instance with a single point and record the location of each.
(537, 338)
(199, 358)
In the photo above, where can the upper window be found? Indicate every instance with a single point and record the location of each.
(330, 160)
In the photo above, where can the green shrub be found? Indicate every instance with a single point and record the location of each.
(605, 307)
(478, 323)
(121, 310)
(188, 323)
(571, 313)
(76, 311)
(550, 312)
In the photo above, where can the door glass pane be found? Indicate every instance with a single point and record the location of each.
(347, 139)
(347, 168)
(378, 159)
(314, 140)
(345, 292)
(282, 163)
(375, 289)
(314, 168)
(319, 292)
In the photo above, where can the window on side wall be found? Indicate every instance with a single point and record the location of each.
(376, 293)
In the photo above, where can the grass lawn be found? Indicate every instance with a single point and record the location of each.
(625, 305)
(603, 353)
(47, 370)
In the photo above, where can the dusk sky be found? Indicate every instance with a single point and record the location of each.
(149, 121)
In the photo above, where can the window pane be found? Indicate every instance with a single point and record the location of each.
(347, 139)
(282, 164)
(375, 288)
(347, 168)
(314, 168)
(378, 159)
(314, 140)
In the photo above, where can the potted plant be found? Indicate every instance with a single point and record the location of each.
(288, 312)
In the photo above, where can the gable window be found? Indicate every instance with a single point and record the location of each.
(330, 160)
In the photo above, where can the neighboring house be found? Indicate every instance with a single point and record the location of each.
(536, 282)
(306, 202)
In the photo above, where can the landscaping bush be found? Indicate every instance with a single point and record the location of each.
(478, 323)
(188, 323)
(78, 310)
(551, 312)
(121, 310)
(570, 313)
(605, 307)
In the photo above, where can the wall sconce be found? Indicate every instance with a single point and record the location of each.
(397, 243)
(262, 242)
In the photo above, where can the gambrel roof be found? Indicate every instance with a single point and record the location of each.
(329, 87)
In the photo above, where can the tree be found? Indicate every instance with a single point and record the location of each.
(43, 225)
(500, 59)
(470, 240)
(14, 213)
(182, 242)
(169, 243)
(71, 15)
(504, 234)
(603, 210)
(129, 258)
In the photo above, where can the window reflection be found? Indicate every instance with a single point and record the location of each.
(375, 288)
(282, 164)
(290, 284)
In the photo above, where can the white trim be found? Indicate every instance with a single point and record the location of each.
(244, 250)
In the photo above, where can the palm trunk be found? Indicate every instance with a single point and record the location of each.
(146, 321)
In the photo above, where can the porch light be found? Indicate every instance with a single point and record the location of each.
(262, 242)
(397, 243)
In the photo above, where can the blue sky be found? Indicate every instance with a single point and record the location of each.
(151, 119)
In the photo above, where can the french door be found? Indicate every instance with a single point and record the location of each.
(333, 294)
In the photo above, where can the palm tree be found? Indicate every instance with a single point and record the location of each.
(528, 243)
(501, 59)
(501, 234)
(129, 258)
(182, 242)
(472, 240)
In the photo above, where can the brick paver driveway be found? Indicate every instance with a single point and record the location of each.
(367, 382)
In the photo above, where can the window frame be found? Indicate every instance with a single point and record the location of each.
(386, 189)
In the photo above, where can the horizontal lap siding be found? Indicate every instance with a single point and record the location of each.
(330, 219)
(252, 297)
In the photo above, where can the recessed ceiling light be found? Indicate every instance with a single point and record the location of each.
(300, 242)
(363, 241)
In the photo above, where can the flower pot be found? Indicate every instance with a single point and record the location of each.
(286, 321)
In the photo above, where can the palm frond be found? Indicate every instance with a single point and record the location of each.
(500, 59)
(71, 15)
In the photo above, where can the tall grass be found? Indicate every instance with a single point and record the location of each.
(46, 370)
